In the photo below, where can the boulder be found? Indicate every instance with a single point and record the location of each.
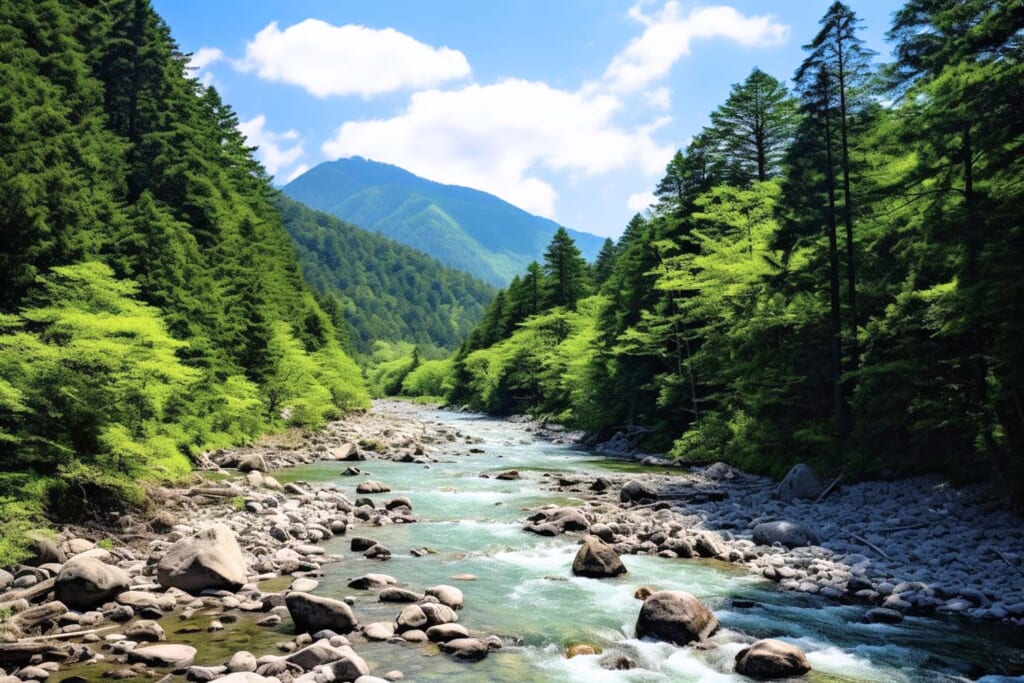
(251, 462)
(211, 559)
(311, 613)
(371, 581)
(577, 649)
(634, 491)
(768, 659)
(86, 582)
(145, 630)
(437, 613)
(371, 486)
(442, 633)
(242, 662)
(393, 594)
(709, 544)
(470, 649)
(507, 475)
(379, 630)
(349, 667)
(446, 595)
(789, 534)
(596, 559)
(323, 652)
(169, 656)
(676, 617)
(556, 521)
(801, 482)
(244, 677)
(411, 617)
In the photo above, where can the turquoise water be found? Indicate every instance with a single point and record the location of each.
(526, 593)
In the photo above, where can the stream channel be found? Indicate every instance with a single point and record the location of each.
(526, 593)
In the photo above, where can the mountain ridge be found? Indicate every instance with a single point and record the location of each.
(463, 227)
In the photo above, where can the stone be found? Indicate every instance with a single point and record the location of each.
(252, 462)
(323, 652)
(145, 630)
(411, 617)
(399, 502)
(371, 486)
(304, 585)
(367, 581)
(596, 559)
(883, 615)
(789, 534)
(311, 613)
(437, 613)
(507, 475)
(392, 594)
(242, 662)
(800, 482)
(469, 649)
(210, 559)
(556, 521)
(709, 544)
(244, 677)
(359, 543)
(634, 491)
(86, 582)
(442, 633)
(379, 630)
(578, 649)
(446, 595)
(676, 617)
(769, 659)
(168, 656)
(348, 667)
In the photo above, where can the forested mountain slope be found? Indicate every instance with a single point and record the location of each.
(823, 278)
(151, 303)
(386, 291)
(464, 228)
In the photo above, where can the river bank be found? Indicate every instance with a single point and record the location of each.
(293, 531)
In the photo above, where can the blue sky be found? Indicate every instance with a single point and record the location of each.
(567, 108)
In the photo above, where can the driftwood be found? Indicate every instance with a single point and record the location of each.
(30, 593)
(214, 492)
(904, 527)
(23, 651)
(61, 636)
(831, 486)
(871, 545)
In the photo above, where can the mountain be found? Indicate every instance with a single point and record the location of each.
(465, 228)
(386, 290)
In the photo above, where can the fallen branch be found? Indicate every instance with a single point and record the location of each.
(29, 593)
(871, 545)
(831, 486)
(1005, 559)
(60, 636)
(905, 527)
(214, 493)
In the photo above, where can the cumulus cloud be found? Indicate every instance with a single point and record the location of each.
(501, 137)
(205, 56)
(669, 33)
(277, 151)
(325, 59)
(638, 201)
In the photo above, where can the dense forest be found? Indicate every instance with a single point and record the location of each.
(387, 292)
(151, 302)
(832, 275)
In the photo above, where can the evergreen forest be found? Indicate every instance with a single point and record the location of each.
(152, 305)
(831, 275)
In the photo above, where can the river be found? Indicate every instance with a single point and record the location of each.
(525, 591)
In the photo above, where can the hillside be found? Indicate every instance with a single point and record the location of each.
(387, 291)
(464, 228)
(151, 303)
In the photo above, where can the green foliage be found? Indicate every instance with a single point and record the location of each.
(849, 296)
(151, 302)
(383, 290)
(463, 228)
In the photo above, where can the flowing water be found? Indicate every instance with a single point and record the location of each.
(526, 593)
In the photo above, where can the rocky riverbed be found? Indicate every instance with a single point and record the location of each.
(238, 558)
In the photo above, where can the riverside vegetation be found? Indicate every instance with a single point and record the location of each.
(833, 276)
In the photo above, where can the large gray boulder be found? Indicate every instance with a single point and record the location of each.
(349, 665)
(597, 560)
(311, 613)
(211, 559)
(556, 521)
(676, 617)
(469, 649)
(801, 482)
(169, 656)
(634, 491)
(446, 595)
(789, 534)
(85, 582)
(768, 659)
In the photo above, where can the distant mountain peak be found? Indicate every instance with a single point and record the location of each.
(461, 226)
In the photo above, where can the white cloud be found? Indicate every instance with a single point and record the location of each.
(669, 33)
(277, 151)
(325, 59)
(499, 137)
(638, 201)
(205, 56)
(296, 172)
(659, 98)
